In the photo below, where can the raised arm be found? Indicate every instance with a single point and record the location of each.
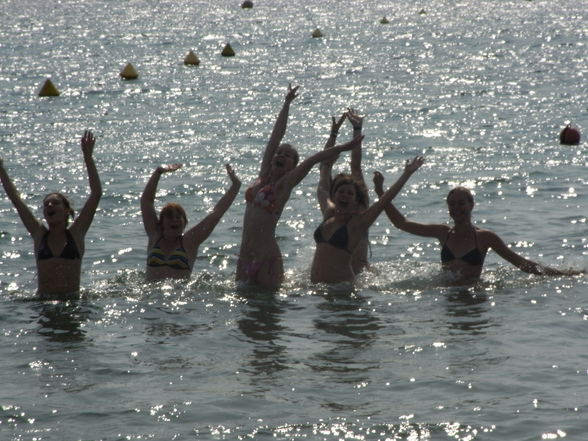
(296, 175)
(526, 265)
(400, 222)
(202, 230)
(278, 131)
(150, 222)
(31, 223)
(326, 167)
(87, 212)
(357, 123)
(374, 210)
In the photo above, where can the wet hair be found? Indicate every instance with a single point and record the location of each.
(293, 150)
(461, 189)
(64, 200)
(361, 193)
(169, 209)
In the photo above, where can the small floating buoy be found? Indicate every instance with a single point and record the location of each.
(317, 33)
(569, 136)
(129, 72)
(422, 12)
(384, 20)
(48, 89)
(228, 51)
(247, 4)
(191, 59)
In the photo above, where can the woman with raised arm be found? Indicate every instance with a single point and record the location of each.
(345, 224)
(171, 253)
(59, 246)
(260, 258)
(360, 256)
(464, 246)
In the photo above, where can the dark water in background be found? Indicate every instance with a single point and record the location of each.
(481, 88)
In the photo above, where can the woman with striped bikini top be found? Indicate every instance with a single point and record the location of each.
(177, 259)
(171, 252)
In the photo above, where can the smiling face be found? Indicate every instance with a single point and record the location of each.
(345, 197)
(172, 220)
(56, 209)
(348, 194)
(285, 158)
(460, 204)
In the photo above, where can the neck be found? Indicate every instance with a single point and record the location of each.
(463, 225)
(57, 227)
(171, 237)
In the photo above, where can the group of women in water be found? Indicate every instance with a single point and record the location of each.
(341, 238)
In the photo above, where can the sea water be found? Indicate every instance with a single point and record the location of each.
(481, 88)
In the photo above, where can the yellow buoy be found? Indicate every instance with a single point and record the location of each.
(317, 33)
(129, 72)
(48, 89)
(228, 51)
(191, 59)
(384, 20)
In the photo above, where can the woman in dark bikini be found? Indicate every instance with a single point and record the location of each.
(464, 247)
(345, 223)
(59, 249)
(171, 252)
(260, 258)
(360, 255)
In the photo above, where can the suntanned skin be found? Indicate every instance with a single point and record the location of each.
(59, 278)
(169, 233)
(259, 248)
(461, 238)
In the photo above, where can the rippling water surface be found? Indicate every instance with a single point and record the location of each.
(481, 88)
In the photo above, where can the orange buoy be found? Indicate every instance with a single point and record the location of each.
(569, 136)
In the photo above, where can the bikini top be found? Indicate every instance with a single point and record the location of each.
(339, 239)
(178, 259)
(70, 250)
(264, 198)
(473, 257)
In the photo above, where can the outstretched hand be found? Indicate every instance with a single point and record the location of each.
(336, 124)
(166, 168)
(232, 175)
(415, 164)
(378, 183)
(291, 93)
(355, 120)
(88, 142)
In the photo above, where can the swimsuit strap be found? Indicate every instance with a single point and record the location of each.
(339, 239)
(70, 250)
(178, 259)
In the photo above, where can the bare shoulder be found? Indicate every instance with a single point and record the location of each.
(488, 238)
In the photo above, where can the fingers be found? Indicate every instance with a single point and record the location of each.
(291, 92)
(170, 167)
(232, 174)
(88, 137)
